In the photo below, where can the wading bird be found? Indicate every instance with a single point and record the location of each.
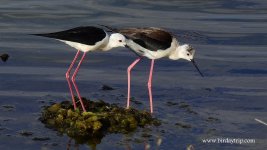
(153, 43)
(85, 39)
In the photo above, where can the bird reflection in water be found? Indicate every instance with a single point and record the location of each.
(93, 142)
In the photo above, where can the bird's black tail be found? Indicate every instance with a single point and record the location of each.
(4, 57)
(43, 35)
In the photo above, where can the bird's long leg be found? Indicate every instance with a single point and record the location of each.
(69, 144)
(68, 78)
(149, 85)
(73, 78)
(129, 79)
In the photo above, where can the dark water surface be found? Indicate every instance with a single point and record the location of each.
(231, 42)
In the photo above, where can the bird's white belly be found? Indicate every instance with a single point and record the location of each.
(84, 47)
(156, 54)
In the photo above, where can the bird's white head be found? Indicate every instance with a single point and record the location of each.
(117, 40)
(183, 52)
(186, 52)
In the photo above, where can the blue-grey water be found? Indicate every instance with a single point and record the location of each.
(230, 38)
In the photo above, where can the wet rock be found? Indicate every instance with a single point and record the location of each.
(183, 105)
(8, 107)
(171, 103)
(186, 107)
(6, 120)
(212, 119)
(183, 125)
(54, 108)
(190, 111)
(2, 128)
(26, 133)
(41, 139)
(208, 89)
(101, 119)
(132, 99)
(211, 131)
(162, 131)
(4, 57)
(106, 88)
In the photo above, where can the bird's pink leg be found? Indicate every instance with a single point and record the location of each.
(149, 85)
(129, 79)
(73, 78)
(68, 79)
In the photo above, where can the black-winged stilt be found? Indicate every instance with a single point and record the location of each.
(154, 43)
(88, 38)
(4, 57)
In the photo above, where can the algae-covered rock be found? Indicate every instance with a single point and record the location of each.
(54, 108)
(101, 118)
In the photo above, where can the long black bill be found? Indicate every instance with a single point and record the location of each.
(194, 63)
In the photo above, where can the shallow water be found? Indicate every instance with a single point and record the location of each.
(230, 39)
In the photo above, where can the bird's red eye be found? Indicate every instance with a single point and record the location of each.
(120, 40)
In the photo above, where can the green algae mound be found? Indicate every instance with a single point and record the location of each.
(101, 118)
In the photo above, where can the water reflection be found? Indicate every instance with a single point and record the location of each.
(145, 144)
(70, 145)
(92, 142)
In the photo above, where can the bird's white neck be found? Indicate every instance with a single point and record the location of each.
(108, 45)
(176, 54)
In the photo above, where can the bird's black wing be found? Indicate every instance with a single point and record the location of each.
(88, 35)
(152, 38)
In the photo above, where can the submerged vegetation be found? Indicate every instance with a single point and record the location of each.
(102, 118)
